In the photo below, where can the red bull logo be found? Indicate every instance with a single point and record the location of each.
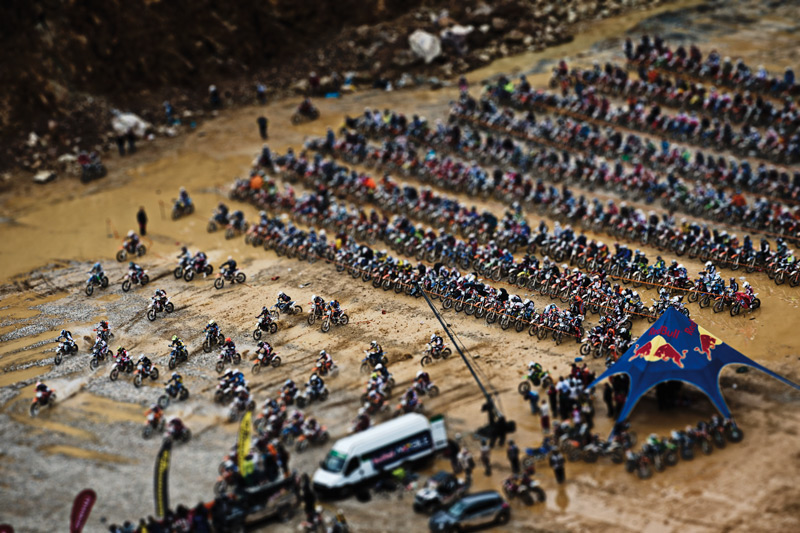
(707, 342)
(658, 349)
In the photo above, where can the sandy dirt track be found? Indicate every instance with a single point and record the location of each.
(92, 437)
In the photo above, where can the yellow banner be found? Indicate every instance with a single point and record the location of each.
(243, 442)
(161, 485)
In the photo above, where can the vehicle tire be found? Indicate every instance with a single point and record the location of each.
(147, 432)
(734, 434)
(364, 368)
(503, 517)
(58, 358)
(163, 401)
(671, 458)
(590, 456)
(237, 358)
(276, 361)
(137, 381)
(312, 317)
(324, 395)
(617, 456)
(344, 319)
(183, 395)
(735, 309)
(326, 325)
(219, 283)
(220, 367)
(122, 255)
(433, 392)
(188, 275)
(527, 498)
(426, 360)
(141, 250)
(687, 453)
(524, 387)
(719, 305)
(114, 374)
(212, 227)
(126, 285)
(256, 335)
(170, 307)
(256, 368)
(585, 349)
(644, 471)
(706, 447)
(178, 272)
(241, 277)
(539, 494)
(89, 290)
(273, 327)
(94, 362)
(301, 401)
(301, 445)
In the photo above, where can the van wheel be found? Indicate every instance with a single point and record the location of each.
(503, 518)
(363, 496)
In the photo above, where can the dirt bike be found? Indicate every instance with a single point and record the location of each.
(211, 341)
(429, 388)
(184, 265)
(98, 356)
(120, 366)
(65, 348)
(216, 221)
(289, 308)
(182, 436)
(127, 249)
(189, 273)
(528, 493)
(140, 374)
(321, 436)
(324, 370)
(430, 353)
(135, 279)
(178, 355)
(315, 313)
(236, 276)
(273, 360)
(182, 394)
(227, 357)
(237, 409)
(309, 115)
(270, 327)
(97, 280)
(156, 307)
(741, 305)
(341, 320)
(639, 463)
(367, 363)
(403, 409)
(45, 399)
(179, 209)
(539, 378)
(151, 426)
(309, 395)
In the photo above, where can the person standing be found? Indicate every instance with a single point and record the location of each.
(486, 459)
(263, 124)
(309, 498)
(608, 398)
(467, 462)
(544, 418)
(552, 394)
(513, 456)
(533, 397)
(452, 454)
(141, 218)
(557, 464)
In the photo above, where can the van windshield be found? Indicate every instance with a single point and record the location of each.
(334, 462)
(457, 509)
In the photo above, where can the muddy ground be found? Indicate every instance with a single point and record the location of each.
(50, 237)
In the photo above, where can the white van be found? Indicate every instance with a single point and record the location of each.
(363, 456)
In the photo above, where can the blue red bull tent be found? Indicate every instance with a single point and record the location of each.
(675, 348)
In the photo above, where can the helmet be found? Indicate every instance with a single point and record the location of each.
(228, 340)
(175, 375)
(379, 366)
(130, 233)
(288, 382)
(63, 332)
(174, 338)
(314, 375)
(281, 294)
(323, 352)
(420, 373)
(184, 249)
(212, 323)
(120, 349)
(373, 344)
(313, 297)
(746, 284)
(130, 264)
(531, 364)
(228, 373)
(433, 336)
(230, 258)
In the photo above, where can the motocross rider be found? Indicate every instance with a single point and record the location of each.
(316, 383)
(283, 300)
(175, 382)
(65, 336)
(325, 360)
(96, 273)
(160, 298)
(375, 353)
(264, 351)
(228, 267)
(183, 197)
(132, 241)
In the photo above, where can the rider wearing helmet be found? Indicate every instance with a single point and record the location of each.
(382, 370)
(283, 300)
(325, 360)
(228, 267)
(264, 351)
(175, 381)
(436, 342)
(316, 383)
(66, 336)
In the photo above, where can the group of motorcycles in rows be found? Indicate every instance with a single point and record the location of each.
(620, 222)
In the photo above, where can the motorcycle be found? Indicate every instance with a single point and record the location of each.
(179, 209)
(173, 392)
(429, 388)
(743, 304)
(217, 221)
(177, 356)
(315, 313)
(368, 363)
(238, 408)
(42, 399)
(140, 374)
(135, 279)
(98, 356)
(529, 493)
(182, 436)
(91, 167)
(120, 366)
(323, 370)
(270, 327)
(236, 276)
(194, 268)
(273, 360)
(65, 348)
(310, 394)
(151, 426)
(226, 357)
(184, 265)
(403, 409)
(341, 320)
(211, 341)
(305, 115)
(128, 249)
(639, 463)
(97, 280)
(539, 378)
(289, 308)
(321, 436)
(156, 307)
(432, 352)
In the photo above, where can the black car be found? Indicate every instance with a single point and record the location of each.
(439, 491)
(473, 510)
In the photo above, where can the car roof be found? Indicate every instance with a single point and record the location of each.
(441, 475)
(483, 495)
